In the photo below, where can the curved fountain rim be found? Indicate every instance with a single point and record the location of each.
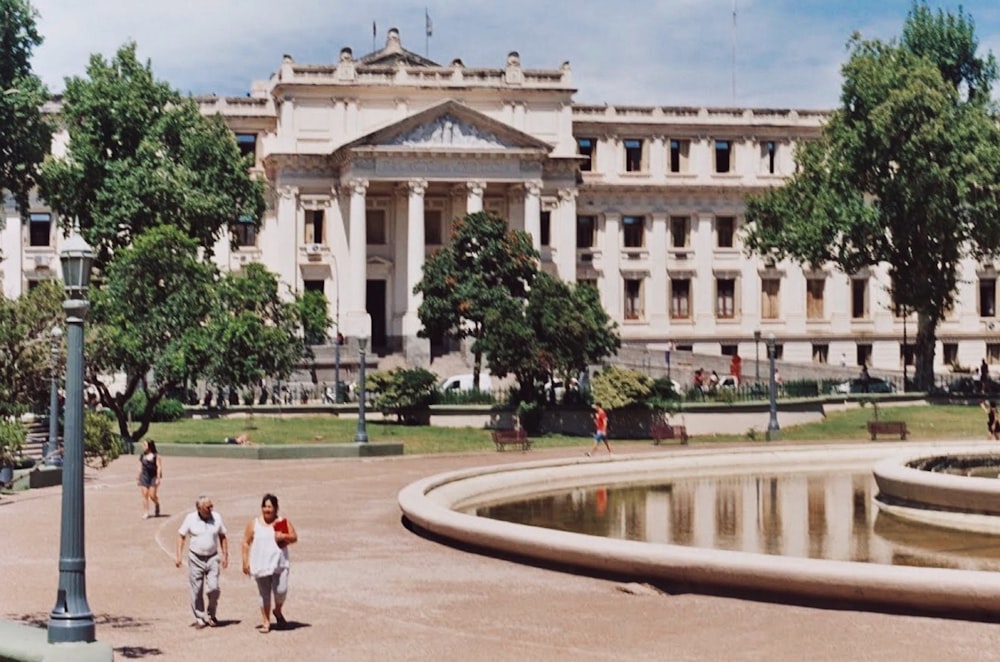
(430, 504)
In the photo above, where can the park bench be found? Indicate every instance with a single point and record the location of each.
(661, 431)
(876, 428)
(505, 438)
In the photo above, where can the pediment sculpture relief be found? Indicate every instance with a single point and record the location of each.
(449, 131)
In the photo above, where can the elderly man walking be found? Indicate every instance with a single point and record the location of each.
(208, 553)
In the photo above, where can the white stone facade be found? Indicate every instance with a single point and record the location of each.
(369, 160)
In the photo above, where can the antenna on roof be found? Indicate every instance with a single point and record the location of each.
(429, 30)
(374, 30)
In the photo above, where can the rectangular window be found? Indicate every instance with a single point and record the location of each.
(545, 231)
(314, 226)
(633, 229)
(725, 298)
(815, 288)
(633, 299)
(992, 352)
(586, 229)
(859, 298)
(821, 353)
(314, 285)
(432, 227)
(40, 229)
(680, 298)
(679, 231)
(375, 226)
(633, 155)
(585, 148)
(768, 157)
(725, 231)
(770, 289)
(987, 297)
(723, 156)
(864, 354)
(949, 353)
(247, 144)
(246, 232)
(679, 150)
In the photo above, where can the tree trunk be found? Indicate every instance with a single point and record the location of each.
(924, 351)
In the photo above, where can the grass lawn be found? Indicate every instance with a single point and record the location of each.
(924, 422)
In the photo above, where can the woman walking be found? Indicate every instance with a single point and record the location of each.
(150, 474)
(265, 558)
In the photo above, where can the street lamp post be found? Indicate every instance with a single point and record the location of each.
(53, 441)
(71, 619)
(773, 430)
(361, 437)
(756, 351)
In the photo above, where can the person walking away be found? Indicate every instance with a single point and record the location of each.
(208, 555)
(992, 419)
(600, 429)
(150, 474)
(265, 558)
(984, 377)
(865, 379)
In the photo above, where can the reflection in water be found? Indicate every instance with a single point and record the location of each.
(828, 516)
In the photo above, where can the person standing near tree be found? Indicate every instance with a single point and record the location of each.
(600, 429)
(865, 379)
(984, 377)
(150, 474)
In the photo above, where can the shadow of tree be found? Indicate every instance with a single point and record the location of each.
(41, 620)
(136, 652)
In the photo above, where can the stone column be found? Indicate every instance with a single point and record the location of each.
(564, 235)
(611, 287)
(656, 304)
(417, 350)
(533, 212)
(357, 278)
(282, 239)
(474, 201)
(703, 287)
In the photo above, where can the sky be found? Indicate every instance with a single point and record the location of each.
(780, 54)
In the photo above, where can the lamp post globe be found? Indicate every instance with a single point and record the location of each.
(71, 620)
(773, 429)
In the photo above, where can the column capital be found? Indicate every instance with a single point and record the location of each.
(288, 192)
(568, 195)
(476, 187)
(358, 186)
(417, 186)
(533, 187)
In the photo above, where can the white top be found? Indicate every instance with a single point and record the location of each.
(204, 534)
(266, 557)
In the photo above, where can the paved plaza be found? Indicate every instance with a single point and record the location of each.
(364, 587)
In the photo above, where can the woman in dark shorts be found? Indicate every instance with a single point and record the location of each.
(150, 473)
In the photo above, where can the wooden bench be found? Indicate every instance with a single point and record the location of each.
(505, 438)
(876, 428)
(661, 431)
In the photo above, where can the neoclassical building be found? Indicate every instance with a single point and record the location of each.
(369, 160)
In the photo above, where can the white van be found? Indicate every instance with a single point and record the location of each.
(465, 383)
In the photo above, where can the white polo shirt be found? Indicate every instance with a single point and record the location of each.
(203, 534)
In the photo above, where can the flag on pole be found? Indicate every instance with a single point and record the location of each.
(427, 21)
(374, 31)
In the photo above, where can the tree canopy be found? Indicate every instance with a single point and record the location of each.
(905, 174)
(163, 318)
(25, 346)
(26, 135)
(141, 156)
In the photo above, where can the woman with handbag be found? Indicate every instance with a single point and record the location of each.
(265, 558)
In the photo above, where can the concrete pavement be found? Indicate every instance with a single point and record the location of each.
(364, 587)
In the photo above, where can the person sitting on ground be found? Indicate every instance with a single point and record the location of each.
(242, 440)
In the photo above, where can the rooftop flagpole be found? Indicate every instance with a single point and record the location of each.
(373, 36)
(428, 32)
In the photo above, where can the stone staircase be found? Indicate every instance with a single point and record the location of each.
(38, 436)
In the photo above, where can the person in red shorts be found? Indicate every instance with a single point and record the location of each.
(600, 429)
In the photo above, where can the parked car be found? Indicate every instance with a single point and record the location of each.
(465, 383)
(969, 386)
(875, 385)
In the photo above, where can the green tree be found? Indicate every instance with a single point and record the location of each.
(485, 267)
(26, 135)
(617, 388)
(141, 156)
(25, 346)
(314, 314)
(162, 318)
(906, 172)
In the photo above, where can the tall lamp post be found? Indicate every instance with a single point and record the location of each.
(53, 441)
(773, 430)
(361, 437)
(71, 619)
(756, 351)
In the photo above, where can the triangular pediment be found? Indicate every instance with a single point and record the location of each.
(451, 126)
